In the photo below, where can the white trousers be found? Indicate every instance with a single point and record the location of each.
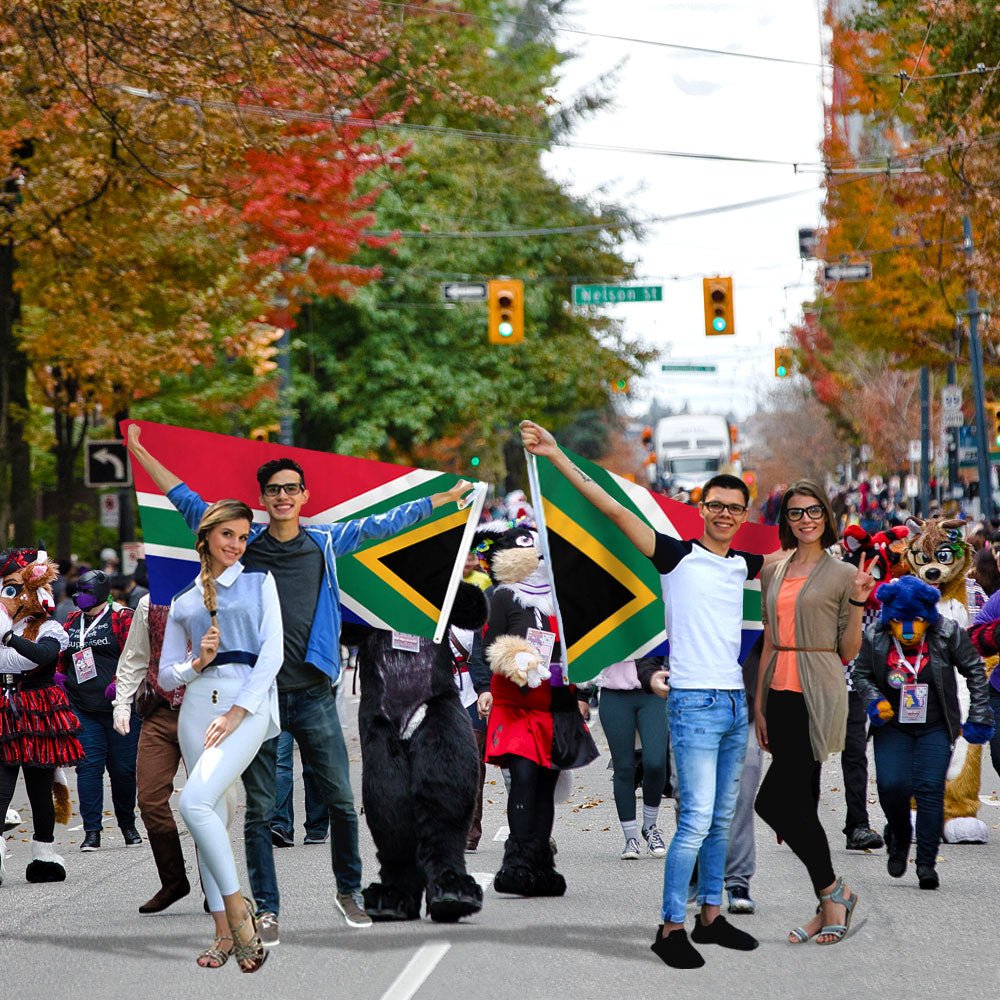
(203, 801)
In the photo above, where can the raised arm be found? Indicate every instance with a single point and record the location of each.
(538, 441)
(160, 474)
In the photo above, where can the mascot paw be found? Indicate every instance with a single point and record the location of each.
(879, 711)
(514, 658)
(977, 732)
(386, 902)
(453, 896)
(45, 864)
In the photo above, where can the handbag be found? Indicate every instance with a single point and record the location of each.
(146, 699)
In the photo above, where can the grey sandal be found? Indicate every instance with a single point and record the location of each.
(838, 931)
(801, 935)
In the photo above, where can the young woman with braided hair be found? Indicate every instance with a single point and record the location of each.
(224, 642)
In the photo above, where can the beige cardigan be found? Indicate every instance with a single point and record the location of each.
(821, 613)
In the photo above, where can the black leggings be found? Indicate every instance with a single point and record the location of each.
(531, 809)
(788, 800)
(38, 782)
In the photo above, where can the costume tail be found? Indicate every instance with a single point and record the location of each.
(60, 796)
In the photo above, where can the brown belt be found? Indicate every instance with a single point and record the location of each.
(802, 649)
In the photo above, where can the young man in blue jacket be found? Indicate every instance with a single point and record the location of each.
(302, 559)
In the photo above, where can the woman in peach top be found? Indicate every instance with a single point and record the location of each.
(812, 605)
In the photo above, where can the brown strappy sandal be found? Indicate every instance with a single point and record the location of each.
(253, 952)
(215, 957)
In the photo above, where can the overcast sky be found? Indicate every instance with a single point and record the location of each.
(673, 100)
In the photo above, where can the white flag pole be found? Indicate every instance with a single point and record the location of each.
(475, 509)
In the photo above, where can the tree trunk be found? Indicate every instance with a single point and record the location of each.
(17, 501)
(67, 450)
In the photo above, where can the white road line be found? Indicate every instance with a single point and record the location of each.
(989, 800)
(502, 834)
(416, 971)
(484, 879)
(72, 829)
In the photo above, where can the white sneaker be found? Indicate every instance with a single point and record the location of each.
(632, 850)
(654, 841)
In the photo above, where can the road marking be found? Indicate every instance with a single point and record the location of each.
(416, 971)
(502, 834)
(989, 800)
(483, 879)
(73, 829)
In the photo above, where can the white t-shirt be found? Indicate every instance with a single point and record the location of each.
(703, 595)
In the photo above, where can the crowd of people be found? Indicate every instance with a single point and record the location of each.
(247, 661)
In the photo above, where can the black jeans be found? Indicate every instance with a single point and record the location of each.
(531, 808)
(788, 800)
(995, 742)
(854, 762)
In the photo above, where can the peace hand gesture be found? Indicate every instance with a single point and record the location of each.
(864, 582)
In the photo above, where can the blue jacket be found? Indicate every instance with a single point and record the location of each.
(334, 540)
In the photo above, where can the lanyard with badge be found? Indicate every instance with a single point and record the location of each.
(83, 660)
(912, 696)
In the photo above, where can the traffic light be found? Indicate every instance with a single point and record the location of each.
(992, 424)
(718, 293)
(506, 309)
(620, 385)
(782, 362)
(264, 433)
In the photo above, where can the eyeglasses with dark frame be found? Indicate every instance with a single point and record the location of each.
(717, 507)
(814, 512)
(275, 489)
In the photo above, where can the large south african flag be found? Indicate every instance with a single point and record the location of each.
(610, 602)
(406, 582)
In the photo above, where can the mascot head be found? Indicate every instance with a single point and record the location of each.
(26, 593)
(882, 553)
(937, 553)
(909, 608)
(508, 552)
(92, 589)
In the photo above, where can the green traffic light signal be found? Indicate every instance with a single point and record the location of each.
(719, 324)
(505, 330)
(474, 461)
(781, 371)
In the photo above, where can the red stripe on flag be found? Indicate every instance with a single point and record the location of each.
(218, 466)
(757, 538)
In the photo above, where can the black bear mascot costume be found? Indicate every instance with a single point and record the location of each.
(420, 769)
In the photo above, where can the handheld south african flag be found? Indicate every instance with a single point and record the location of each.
(406, 582)
(608, 594)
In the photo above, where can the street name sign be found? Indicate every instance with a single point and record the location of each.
(463, 291)
(688, 368)
(599, 295)
(848, 272)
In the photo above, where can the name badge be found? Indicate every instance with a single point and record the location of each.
(544, 642)
(913, 702)
(405, 642)
(84, 665)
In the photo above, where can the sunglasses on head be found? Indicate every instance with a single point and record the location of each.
(275, 489)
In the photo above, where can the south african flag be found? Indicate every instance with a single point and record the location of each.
(406, 582)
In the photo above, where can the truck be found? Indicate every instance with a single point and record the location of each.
(691, 448)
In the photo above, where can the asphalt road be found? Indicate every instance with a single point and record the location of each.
(85, 938)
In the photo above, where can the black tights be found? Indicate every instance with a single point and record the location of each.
(38, 782)
(531, 808)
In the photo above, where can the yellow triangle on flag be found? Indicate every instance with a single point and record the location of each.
(575, 534)
(371, 558)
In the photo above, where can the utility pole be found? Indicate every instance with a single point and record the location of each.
(925, 440)
(953, 482)
(978, 381)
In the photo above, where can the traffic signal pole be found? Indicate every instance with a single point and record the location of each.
(978, 382)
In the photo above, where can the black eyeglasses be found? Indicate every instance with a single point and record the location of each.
(717, 507)
(814, 512)
(292, 489)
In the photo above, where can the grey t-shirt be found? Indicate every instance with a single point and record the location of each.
(297, 568)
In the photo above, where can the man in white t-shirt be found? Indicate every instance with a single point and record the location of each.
(703, 593)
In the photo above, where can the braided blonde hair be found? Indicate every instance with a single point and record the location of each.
(216, 514)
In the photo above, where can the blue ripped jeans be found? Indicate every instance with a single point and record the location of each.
(708, 735)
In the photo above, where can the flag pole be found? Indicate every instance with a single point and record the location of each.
(475, 509)
(537, 505)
